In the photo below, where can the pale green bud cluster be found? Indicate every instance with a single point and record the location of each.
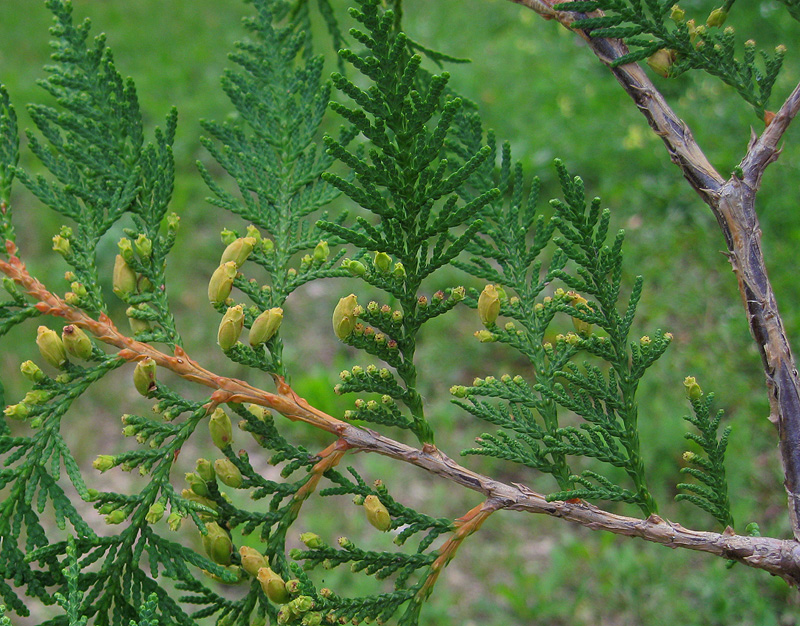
(693, 390)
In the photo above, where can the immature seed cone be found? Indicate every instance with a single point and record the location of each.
(230, 328)
(382, 262)
(252, 560)
(582, 327)
(221, 283)
(238, 251)
(220, 428)
(144, 375)
(76, 342)
(377, 514)
(265, 326)
(344, 319)
(228, 473)
(273, 585)
(124, 278)
(51, 346)
(217, 544)
(321, 252)
(489, 305)
(660, 61)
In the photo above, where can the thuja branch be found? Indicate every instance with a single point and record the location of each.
(779, 557)
(733, 204)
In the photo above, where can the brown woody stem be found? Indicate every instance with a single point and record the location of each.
(781, 558)
(733, 204)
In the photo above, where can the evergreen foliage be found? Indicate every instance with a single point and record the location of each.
(652, 26)
(428, 190)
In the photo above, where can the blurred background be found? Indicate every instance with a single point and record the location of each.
(540, 88)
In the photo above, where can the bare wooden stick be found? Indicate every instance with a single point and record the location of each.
(779, 557)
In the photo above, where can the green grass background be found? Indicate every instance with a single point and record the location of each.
(539, 88)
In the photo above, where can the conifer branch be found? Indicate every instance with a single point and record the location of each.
(779, 557)
(733, 204)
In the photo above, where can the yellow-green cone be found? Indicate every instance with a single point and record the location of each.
(377, 514)
(144, 375)
(217, 544)
(124, 278)
(228, 473)
(51, 347)
(344, 319)
(265, 326)
(230, 328)
(252, 560)
(221, 282)
(220, 428)
(238, 251)
(489, 305)
(273, 585)
(76, 342)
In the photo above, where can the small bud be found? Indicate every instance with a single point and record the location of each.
(76, 342)
(174, 521)
(645, 340)
(104, 462)
(273, 585)
(197, 484)
(126, 249)
(116, 517)
(51, 347)
(677, 14)
(344, 319)
(356, 268)
(252, 560)
(205, 470)
(62, 246)
(123, 279)
(265, 326)
(228, 473)
(17, 411)
(220, 428)
(230, 327)
(144, 376)
(312, 540)
(661, 61)
(321, 252)
(221, 283)
(693, 391)
(382, 262)
(484, 336)
(301, 604)
(268, 246)
(217, 544)
(252, 231)
(155, 513)
(31, 371)
(689, 456)
(717, 18)
(293, 586)
(238, 251)
(312, 619)
(459, 391)
(377, 514)
(143, 246)
(227, 236)
(489, 305)
(399, 272)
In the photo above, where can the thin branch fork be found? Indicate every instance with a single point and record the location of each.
(779, 557)
(733, 204)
